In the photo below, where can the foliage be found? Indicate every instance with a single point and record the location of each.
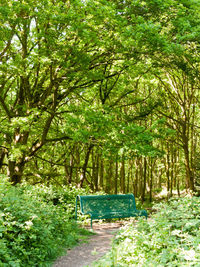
(61, 197)
(100, 81)
(99, 126)
(51, 53)
(33, 229)
(169, 238)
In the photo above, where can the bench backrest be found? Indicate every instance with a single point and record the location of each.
(107, 203)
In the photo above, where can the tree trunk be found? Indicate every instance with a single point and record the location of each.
(95, 168)
(69, 168)
(144, 180)
(189, 172)
(2, 156)
(15, 171)
(122, 176)
(141, 173)
(168, 169)
(101, 174)
(172, 170)
(77, 162)
(109, 175)
(136, 183)
(116, 176)
(84, 169)
(151, 180)
(129, 176)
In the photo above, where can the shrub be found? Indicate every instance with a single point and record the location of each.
(33, 230)
(171, 237)
(64, 197)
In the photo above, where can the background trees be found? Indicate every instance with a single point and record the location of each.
(100, 93)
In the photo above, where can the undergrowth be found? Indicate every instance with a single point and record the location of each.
(36, 223)
(171, 237)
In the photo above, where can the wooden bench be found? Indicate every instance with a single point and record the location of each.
(108, 206)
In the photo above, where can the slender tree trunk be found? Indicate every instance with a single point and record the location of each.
(193, 145)
(69, 166)
(129, 176)
(101, 174)
(141, 173)
(167, 167)
(66, 173)
(160, 174)
(144, 180)
(77, 162)
(95, 168)
(128, 181)
(151, 180)
(189, 172)
(84, 169)
(177, 173)
(136, 183)
(172, 170)
(116, 176)
(122, 176)
(109, 176)
(185, 140)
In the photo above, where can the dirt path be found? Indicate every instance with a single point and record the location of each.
(96, 247)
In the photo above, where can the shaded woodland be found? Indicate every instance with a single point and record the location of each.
(101, 94)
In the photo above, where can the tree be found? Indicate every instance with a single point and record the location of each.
(46, 57)
(85, 86)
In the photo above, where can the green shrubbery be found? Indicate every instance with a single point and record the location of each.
(171, 237)
(61, 197)
(35, 224)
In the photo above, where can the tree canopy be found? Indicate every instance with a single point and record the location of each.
(104, 93)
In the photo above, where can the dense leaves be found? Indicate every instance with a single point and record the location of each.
(36, 224)
(169, 238)
(96, 75)
(102, 94)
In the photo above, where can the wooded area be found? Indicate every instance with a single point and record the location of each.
(101, 93)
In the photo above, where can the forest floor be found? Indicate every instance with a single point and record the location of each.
(96, 246)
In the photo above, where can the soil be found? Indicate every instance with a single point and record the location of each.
(86, 253)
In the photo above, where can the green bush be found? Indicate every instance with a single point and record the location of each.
(64, 197)
(171, 237)
(33, 230)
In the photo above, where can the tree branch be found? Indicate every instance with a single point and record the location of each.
(5, 108)
(58, 139)
(8, 43)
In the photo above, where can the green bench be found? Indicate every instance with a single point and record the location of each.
(108, 206)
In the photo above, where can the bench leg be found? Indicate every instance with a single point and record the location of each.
(91, 223)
